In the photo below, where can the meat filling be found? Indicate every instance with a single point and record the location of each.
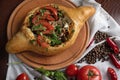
(51, 26)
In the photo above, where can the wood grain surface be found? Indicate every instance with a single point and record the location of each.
(6, 8)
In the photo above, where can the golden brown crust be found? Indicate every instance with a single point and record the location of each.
(20, 42)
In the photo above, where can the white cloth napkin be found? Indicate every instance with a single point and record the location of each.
(100, 21)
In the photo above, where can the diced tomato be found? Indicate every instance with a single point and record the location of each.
(50, 18)
(39, 39)
(46, 32)
(47, 25)
(34, 19)
(41, 42)
(53, 10)
(44, 44)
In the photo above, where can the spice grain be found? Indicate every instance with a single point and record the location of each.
(100, 52)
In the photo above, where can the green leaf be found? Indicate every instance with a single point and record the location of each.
(38, 27)
(60, 75)
(42, 11)
(60, 14)
(54, 75)
(43, 71)
(58, 29)
(32, 41)
(30, 20)
(55, 39)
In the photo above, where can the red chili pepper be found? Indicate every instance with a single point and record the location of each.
(53, 10)
(113, 45)
(114, 60)
(112, 74)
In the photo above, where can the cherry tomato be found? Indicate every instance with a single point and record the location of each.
(72, 70)
(22, 76)
(89, 72)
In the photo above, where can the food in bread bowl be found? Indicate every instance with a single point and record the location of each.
(50, 29)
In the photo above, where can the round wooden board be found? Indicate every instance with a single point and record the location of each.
(52, 62)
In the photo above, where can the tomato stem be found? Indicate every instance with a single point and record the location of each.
(91, 74)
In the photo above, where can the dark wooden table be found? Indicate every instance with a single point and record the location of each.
(6, 8)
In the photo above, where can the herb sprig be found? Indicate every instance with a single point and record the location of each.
(54, 75)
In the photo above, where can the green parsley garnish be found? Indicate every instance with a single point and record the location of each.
(54, 39)
(42, 11)
(30, 20)
(38, 27)
(60, 13)
(54, 75)
(32, 41)
(58, 29)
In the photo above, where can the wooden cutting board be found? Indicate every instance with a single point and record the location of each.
(52, 62)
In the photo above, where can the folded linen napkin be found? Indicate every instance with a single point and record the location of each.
(100, 21)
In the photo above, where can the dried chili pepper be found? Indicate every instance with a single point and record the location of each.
(114, 60)
(113, 45)
(112, 73)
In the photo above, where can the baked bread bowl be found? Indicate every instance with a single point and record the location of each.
(50, 29)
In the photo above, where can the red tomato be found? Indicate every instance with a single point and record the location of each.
(39, 39)
(72, 70)
(41, 42)
(22, 76)
(46, 24)
(89, 72)
(44, 44)
(53, 10)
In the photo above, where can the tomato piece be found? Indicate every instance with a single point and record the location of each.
(47, 25)
(41, 42)
(22, 76)
(53, 10)
(89, 72)
(39, 39)
(34, 20)
(50, 18)
(46, 32)
(44, 44)
(71, 70)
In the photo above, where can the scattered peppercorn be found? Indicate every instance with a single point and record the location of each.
(100, 52)
(99, 36)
